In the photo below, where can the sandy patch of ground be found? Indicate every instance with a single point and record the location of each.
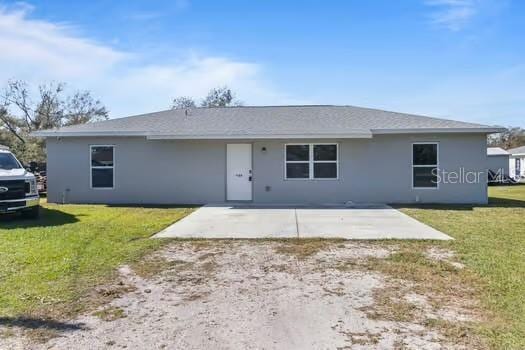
(440, 254)
(261, 295)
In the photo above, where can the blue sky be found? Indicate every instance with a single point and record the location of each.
(462, 59)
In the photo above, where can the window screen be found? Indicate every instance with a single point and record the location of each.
(102, 166)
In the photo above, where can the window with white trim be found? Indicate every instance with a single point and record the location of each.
(102, 164)
(425, 165)
(311, 161)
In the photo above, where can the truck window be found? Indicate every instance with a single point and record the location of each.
(8, 162)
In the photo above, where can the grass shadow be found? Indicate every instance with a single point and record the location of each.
(154, 206)
(431, 206)
(39, 323)
(494, 202)
(48, 218)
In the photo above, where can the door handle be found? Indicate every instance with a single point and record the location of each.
(250, 178)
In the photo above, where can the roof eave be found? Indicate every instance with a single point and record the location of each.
(364, 134)
(58, 133)
(484, 130)
(351, 134)
(355, 135)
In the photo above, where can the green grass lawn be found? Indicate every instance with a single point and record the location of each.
(49, 266)
(490, 240)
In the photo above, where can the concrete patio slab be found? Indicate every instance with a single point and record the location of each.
(250, 221)
(363, 223)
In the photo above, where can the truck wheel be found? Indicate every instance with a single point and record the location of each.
(32, 213)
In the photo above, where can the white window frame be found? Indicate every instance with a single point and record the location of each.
(91, 167)
(311, 161)
(423, 166)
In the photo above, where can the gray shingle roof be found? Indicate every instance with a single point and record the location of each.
(517, 150)
(270, 121)
(496, 151)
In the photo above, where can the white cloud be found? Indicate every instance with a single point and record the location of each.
(453, 14)
(151, 87)
(38, 51)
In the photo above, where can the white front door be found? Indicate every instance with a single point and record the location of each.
(239, 172)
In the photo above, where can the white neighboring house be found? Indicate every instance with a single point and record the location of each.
(517, 162)
(498, 160)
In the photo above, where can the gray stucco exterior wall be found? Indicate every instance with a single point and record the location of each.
(194, 171)
(497, 162)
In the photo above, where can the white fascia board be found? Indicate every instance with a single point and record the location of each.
(51, 133)
(365, 135)
(360, 135)
(488, 130)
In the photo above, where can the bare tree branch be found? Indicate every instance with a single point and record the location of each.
(220, 97)
(19, 115)
(217, 97)
(8, 122)
(511, 138)
(17, 93)
(83, 108)
(183, 102)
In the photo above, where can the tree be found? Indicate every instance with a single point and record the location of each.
(20, 115)
(10, 124)
(183, 102)
(217, 97)
(511, 138)
(44, 114)
(220, 97)
(82, 108)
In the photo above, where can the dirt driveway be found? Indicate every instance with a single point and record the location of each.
(277, 295)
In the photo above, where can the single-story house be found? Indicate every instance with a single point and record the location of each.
(269, 154)
(498, 160)
(517, 162)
